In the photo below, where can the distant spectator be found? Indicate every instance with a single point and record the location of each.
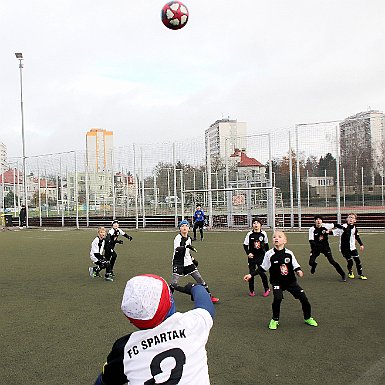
(23, 216)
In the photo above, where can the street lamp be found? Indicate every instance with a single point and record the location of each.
(19, 56)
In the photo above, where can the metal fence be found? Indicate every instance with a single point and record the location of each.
(285, 176)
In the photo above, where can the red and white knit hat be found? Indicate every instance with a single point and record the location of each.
(146, 300)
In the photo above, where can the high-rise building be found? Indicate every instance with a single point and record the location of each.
(99, 147)
(362, 143)
(225, 136)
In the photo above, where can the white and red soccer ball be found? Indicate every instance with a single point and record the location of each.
(174, 15)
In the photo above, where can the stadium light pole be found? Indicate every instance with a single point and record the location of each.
(19, 56)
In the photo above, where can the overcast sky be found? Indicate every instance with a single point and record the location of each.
(113, 65)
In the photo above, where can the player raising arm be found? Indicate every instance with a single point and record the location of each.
(349, 236)
(319, 243)
(183, 263)
(169, 347)
(112, 240)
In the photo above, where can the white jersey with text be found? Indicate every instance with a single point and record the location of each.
(174, 352)
(348, 237)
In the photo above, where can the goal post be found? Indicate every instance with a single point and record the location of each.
(235, 207)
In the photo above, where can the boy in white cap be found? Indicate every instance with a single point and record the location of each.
(182, 262)
(170, 347)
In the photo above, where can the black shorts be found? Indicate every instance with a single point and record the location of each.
(256, 261)
(349, 254)
(325, 250)
(183, 270)
(293, 288)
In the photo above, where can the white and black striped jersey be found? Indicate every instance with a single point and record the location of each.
(97, 249)
(320, 234)
(113, 235)
(256, 242)
(282, 265)
(348, 236)
(181, 256)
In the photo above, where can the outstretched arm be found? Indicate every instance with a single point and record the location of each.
(199, 295)
(202, 299)
(125, 235)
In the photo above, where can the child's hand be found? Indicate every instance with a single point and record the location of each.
(299, 273)
(362, 247)
(251, 255)
(247, 277)
(192, 248)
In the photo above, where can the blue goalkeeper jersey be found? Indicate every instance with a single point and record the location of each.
(199, 216)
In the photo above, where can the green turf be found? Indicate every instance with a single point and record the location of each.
(58, 324)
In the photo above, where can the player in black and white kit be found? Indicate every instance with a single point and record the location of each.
(283, 268)
(170, 347)
(111, 240)
(255, 245)
(319, 243)
(349, 236)
(182, 262)
(97, 255)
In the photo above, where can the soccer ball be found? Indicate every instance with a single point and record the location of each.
(174, 15)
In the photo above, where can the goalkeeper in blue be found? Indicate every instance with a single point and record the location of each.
(283, 268)
(169, 347)
(199, 221)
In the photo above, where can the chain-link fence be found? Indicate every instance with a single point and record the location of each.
(285, 176)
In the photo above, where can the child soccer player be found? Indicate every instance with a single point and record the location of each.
(169, 347)
(182, 262)
(97, 256)
(319, 243)
(112, 240)
(283, 266)
(199, 221)
(349, 235)
(255, 246)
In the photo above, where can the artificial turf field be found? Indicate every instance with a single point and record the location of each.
(57, 324)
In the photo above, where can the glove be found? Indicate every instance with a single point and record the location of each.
(119, 241)
(195, 262)
(129, 237)
(192, 248)
(186, 289)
